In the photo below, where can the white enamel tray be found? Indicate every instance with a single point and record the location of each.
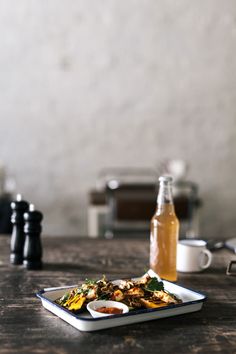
(192, 301)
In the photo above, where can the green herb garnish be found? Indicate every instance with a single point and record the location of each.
(104, 297)
(82, 291)
(64, 298)
(154, 285)
(90, 281)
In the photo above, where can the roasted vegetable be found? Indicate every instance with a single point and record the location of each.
(151, 304)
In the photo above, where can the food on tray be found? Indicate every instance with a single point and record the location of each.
(146, 292)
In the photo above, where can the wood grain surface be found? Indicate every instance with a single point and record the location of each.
(26, 327)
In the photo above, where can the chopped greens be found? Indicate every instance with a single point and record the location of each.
(103, 297)
(154, 285)
(65, 297)
(90, 281)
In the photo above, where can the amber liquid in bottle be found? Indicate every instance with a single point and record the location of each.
(164, 233)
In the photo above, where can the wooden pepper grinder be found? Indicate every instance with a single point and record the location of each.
(33, 248)
(19, 207)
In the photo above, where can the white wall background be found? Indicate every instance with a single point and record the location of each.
(90, 84)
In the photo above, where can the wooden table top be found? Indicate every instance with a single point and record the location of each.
(26, 327)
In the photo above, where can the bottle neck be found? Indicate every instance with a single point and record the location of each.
(165, 199)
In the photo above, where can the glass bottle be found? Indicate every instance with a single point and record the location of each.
(164, 233)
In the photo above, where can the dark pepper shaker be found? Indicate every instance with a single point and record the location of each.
(33, 248)
(19, 207)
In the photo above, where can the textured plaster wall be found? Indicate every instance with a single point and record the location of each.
(90, 84)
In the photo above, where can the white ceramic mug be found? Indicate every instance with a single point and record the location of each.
(193, 256)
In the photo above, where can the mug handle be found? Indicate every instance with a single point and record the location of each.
(209, 259)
